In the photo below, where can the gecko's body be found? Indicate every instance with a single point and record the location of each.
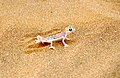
(61, 36)
(56, 37)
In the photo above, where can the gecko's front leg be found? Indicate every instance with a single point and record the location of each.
(51, 46)
(63, 41)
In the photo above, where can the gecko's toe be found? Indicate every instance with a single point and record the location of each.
(37, 41)
(65, 45)
(67, 38)
(51, 47)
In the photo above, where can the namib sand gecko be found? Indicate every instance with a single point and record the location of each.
(61, 36)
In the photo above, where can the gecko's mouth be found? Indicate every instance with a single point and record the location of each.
(73, 31)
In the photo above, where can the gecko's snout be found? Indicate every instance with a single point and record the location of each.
(73, 31)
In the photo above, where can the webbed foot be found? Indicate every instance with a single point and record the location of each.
(67, 38)
(66, 45)
(37, 41)
(51, 47)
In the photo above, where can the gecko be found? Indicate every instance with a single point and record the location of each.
(61, 36)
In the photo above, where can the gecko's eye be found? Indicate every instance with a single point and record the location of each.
(70, 29)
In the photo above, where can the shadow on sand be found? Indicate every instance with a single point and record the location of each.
(40, 47)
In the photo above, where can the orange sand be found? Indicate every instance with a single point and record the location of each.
(94, 49)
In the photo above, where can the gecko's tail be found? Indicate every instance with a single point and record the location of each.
(39, 39)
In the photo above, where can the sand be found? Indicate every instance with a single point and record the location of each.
(94, 48)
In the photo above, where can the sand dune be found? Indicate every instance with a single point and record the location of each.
(93, 50)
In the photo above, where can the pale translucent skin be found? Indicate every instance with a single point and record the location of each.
(61, 36)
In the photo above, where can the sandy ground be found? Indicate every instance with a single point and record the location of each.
(94, 49)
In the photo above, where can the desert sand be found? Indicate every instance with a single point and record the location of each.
(94, 48)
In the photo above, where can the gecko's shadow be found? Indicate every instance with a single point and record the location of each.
(40, 47)
(35, 48)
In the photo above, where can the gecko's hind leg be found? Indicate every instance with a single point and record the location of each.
(63, 41)
(39, 39)
(51, 46)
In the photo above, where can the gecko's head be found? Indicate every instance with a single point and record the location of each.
(69, 29)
